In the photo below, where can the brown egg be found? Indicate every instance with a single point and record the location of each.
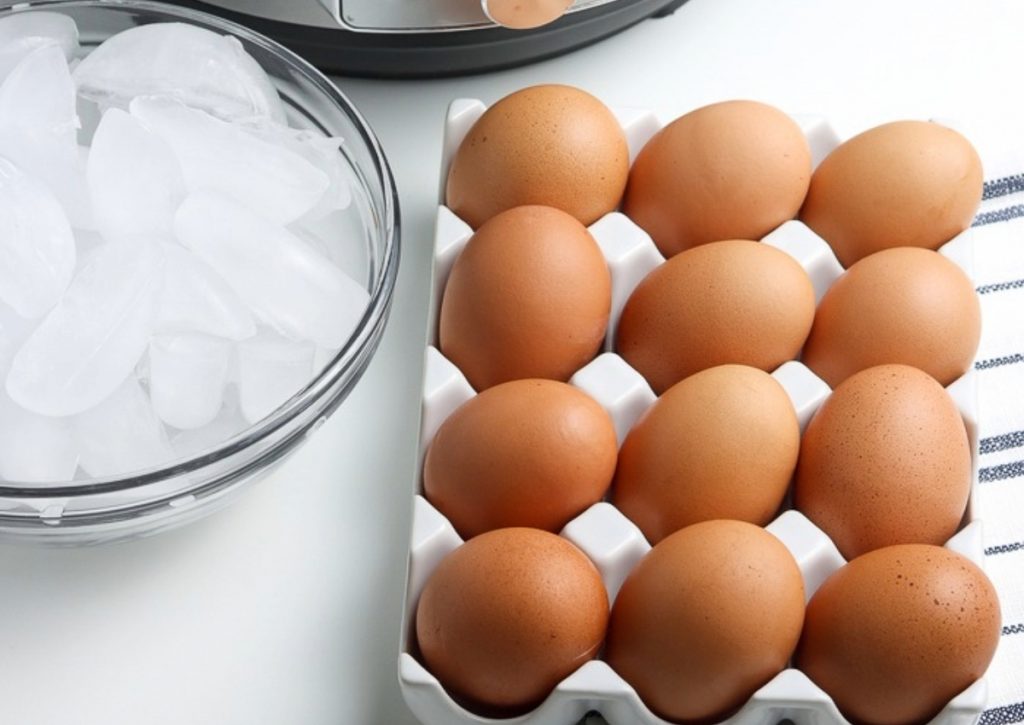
(897, 633)
(731, 170)
(550, 145)
(902, 184)
(726, 302)
(529, 297)
(524, 453)
(508, 615)
(721, 444)
(710, 615)
(885, 461)
(905, 305)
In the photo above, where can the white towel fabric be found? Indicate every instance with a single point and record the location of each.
(999, 276)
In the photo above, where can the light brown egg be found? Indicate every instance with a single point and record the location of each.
(885, 461)
(896, 634)
(902, 184)
(731, 170)
(721, 444)
(508, 615)
(905, 305)
(551, 145)
(524, 453)
(525, 14)
(726, 302)
(529, 297)
(711, 614)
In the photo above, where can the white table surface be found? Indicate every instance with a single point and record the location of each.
(285, 607)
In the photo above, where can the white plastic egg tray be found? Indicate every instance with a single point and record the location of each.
(611, 540)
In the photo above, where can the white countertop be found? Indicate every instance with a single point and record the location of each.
(285, 607)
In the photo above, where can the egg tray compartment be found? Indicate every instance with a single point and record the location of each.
(602, 532)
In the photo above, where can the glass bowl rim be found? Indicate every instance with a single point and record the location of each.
(341, 364)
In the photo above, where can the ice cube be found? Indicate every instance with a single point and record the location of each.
(218, 156)
(194, 298)
(90, 342)
(324, 152)
(21, 33)
(228, 423)
(35, 448)
(122, 434)
(187, 375)
(287, 283)
(338, 236)
(14, 330)
(39, 95)
(135, 181)
(37, 247)
(271, 369)
(39, 126)
(197, 66)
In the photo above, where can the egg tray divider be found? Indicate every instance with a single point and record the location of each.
(611, 540)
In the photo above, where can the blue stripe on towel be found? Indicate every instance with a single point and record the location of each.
(1000, 287)
(995, 362)
(1003, 187)
(999, 215)
(1001, 443)
(1013, 629)
(1004, 548)
(1001, 472)
(1004, 715)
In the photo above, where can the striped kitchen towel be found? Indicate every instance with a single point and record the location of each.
(999, 275)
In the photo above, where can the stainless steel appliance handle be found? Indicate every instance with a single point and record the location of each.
(420, 16)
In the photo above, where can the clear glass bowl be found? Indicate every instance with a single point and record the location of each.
(101, 510)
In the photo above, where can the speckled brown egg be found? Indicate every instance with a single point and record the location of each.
(721, 444)
(508, 615)
(904, 305)
(731, 170)
(897, 633)
(524, 453)
(902, 184)
(529, 297)
(725, 302)
(885, 461)
(551, 145)
(707, 617)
